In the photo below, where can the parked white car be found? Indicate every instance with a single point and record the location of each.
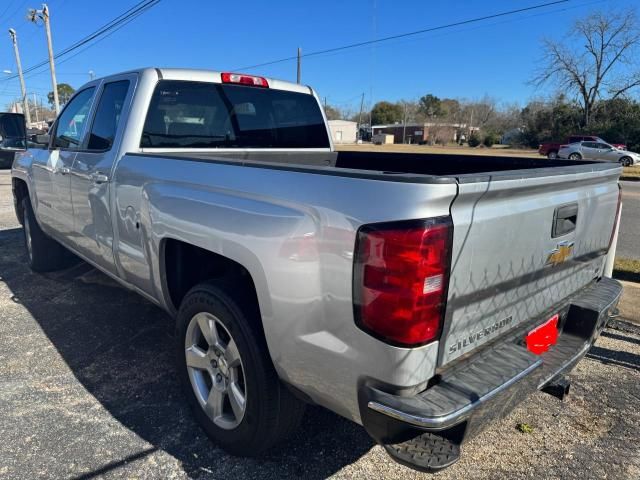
(598, 151)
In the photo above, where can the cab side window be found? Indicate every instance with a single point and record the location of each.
(105, 124)
(72, 122)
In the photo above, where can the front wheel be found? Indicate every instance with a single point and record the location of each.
(552, 155)
(575, 156)
(227, 374)
(626, 161)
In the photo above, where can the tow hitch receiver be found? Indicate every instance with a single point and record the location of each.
(559, 388)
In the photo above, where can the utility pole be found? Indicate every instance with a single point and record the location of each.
(360, 117)
(404, 123)
(92, 75)
(35, 106)
(43, 14)
(25, 101)
(299, 64)
(360, 114)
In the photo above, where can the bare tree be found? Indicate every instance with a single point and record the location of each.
(484, 110)
(604, 61)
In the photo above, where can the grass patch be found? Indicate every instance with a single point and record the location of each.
(627, 269)
(631, 172)
(524, 428)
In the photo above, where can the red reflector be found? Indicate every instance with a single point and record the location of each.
(401, 274)
(542, 337)
(242, 79)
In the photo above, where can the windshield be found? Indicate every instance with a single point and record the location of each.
(185, 114)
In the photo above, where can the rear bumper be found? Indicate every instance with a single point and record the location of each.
(487, 385)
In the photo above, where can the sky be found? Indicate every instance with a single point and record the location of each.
(493, 57)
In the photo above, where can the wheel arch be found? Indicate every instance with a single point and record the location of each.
(20, 192)
(184, 265)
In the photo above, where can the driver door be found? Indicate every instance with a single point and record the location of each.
(608, 153)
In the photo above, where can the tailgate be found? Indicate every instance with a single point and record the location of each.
(508, 264)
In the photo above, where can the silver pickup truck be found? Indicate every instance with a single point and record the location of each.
(417, 295)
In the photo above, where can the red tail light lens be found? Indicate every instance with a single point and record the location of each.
(401, 274)
(242, 79)
(615, 219)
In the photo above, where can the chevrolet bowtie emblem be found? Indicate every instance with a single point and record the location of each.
(560, 254)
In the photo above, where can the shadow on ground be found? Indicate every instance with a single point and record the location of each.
(616, 357)
(119, 347)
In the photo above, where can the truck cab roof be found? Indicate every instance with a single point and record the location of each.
(202, 75)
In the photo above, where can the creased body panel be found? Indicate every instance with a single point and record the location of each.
(506, 267)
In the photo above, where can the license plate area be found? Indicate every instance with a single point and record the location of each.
(541, 338)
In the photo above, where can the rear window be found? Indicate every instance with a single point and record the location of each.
(185, 114)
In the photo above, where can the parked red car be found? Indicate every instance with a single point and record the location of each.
(550, 150)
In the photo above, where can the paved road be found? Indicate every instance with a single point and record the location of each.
(629, 236)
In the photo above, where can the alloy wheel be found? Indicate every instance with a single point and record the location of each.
(215, 370)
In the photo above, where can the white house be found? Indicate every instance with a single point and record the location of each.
(343, 131)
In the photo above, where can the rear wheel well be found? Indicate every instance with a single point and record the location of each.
(186, 265)
(20, 192)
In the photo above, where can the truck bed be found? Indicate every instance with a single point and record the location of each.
(433, 168)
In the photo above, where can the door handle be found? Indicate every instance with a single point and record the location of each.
(98, 178)
(64, 170)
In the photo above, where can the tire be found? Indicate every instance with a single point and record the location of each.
(552, 155)
(626, 161)
(575, 156)
(240, 369)
(44, 254)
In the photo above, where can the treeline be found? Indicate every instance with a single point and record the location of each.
(616, 120)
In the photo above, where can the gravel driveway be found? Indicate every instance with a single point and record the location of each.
(88, 389)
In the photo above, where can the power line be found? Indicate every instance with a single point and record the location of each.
(115, 23)
(407, 34)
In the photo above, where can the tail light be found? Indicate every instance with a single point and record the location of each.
(564, 146)
(242, 79)
(401, 275)
(615, 219)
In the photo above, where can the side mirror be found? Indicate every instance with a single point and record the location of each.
(42, 139)
(13, 134)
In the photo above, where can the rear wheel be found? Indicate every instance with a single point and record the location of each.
(227, 373)
(43, 252)
(626, 161)
(575, 156)
(552, 155)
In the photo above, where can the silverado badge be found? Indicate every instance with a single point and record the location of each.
(560, 254)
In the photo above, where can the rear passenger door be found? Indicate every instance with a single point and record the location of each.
(92, 168)
(589, 150)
